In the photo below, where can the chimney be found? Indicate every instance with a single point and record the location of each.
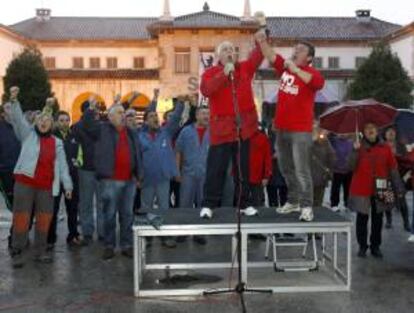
(247, 13)
(166, 13)
(43, 15)
(363, 16)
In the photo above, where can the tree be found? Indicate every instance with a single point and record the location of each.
(383, 78)
(28, 73)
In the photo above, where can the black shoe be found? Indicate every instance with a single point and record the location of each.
(108, 254)
(181, 239)
(129, 253)
(258, 237)
(201, 240)
(362, 253)
(50, 247)
(388, 225)
(9, 242)
(17, 259)
(376, 253)
(169, 243)
(86, 241)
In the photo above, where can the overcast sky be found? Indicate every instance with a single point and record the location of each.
(396, 11)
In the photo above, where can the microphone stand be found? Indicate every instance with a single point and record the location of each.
(241, 287)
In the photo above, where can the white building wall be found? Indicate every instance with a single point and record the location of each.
(404, 48)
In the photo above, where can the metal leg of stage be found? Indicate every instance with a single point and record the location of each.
(137, 265)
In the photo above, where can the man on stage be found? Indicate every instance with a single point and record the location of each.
(293, 121)
(230, 120)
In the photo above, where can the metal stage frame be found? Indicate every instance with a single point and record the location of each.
(269, 222)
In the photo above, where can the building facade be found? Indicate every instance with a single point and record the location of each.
(107, 56)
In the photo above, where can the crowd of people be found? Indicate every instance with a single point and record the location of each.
(108, 166)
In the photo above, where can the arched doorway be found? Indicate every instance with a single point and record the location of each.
(140, 103)
(77, 103)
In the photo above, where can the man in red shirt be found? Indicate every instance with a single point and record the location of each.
(227, 117)
(293, 120)
(116, 164)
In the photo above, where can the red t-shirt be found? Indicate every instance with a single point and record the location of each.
(122, 166)
(44, 172)
(201, 131)
(294, 110)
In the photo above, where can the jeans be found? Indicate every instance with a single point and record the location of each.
(118, 196)
(88, 188)
(161, 191)
(294, 153)
(191, 193)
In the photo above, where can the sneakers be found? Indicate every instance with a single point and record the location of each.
(411, 238)
(206, 213)
(250, 211)
(362, 253)
(335, 209)
(306, 215)
(129, 253)
(288, 208)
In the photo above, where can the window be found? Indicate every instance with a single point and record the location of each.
(359, 61)
(111, 63)
(95, 63)
(182, 60)
(50, 62)
(317, 62)
(333, 62)
(77, 62)
(139, 62)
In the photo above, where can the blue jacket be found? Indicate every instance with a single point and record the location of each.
(157, 155)
(194, 154)
(9, 147)
(343, 148)
(106, 138)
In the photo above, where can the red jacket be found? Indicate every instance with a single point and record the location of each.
(260, 158)
(372, 162)
(216, 86)
(294, 110)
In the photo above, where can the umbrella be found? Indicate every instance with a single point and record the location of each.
(351, 116)
(405, 126)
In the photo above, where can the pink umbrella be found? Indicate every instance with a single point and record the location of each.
(351, 116)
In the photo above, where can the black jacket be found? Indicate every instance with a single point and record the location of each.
(106, 137)
(9, 147)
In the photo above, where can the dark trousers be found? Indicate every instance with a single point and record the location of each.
(251, 196)
(218, 161)
(174, 191)
(339, 181)
(318, 194)
(277, 195)
(401, 204)
(376, 228)
(72, 216)
(137, 201)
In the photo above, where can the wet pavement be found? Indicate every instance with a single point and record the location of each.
(79, 281)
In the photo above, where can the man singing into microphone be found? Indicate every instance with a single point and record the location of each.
(229, 120)
(293, 121)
